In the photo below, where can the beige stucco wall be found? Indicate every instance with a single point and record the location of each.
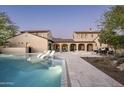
(41, 34)
(84, 36)
(38, 44)
(89, 37)
(77, 44)
(45, 34)
(13, 50)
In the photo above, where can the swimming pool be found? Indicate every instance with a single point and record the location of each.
(15, 71)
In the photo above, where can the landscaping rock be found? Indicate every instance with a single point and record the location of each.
(121, 67)
(114, 62)
(120, 61)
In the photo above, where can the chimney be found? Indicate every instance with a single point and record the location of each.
(90, 29)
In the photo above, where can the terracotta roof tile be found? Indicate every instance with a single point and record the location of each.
(34, 31)
(86, 32)
(60, 40)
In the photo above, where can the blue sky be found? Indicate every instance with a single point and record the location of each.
(61, 20)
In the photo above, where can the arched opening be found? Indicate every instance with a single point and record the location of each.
(49, 46)
(28, 47)
(72, 47)
(64, 47)
(81, 47)
(56, 47)
(89, 47)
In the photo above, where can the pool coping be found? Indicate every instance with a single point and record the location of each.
(65, 81)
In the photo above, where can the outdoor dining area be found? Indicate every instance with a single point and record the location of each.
(104, 51)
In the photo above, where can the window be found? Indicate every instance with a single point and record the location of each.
(78, 36)
(42, 35)
(91, 35)
(85, 35)
(37, 34)
(95, 44)
(81, 35)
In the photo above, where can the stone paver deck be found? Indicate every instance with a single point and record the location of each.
(83, 74)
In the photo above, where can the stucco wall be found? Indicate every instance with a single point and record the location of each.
(46, 35)
(38, 44)
(77, 45)
(13, 50)
(85, 36)
(89, 37)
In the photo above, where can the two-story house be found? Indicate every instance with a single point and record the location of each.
(82, 41)
(42, 40)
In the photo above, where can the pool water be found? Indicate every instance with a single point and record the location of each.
(15, 71)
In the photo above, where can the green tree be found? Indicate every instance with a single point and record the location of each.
(112, 21)
(121, 41)
(7, 28)
(105, 36)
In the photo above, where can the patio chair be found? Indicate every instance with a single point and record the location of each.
(48, 56)
(39, 56)
(43, 58)
(52, 53)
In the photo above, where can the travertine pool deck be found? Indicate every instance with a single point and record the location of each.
(83, 74)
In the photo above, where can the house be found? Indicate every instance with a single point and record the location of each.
(42, 40)
(37, 41)
(82, 41)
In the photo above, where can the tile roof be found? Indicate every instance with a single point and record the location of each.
(60, 40)
(34, 31)
(86, 32)
(31, 34)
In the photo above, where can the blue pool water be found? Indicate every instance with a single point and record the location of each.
(15, 71)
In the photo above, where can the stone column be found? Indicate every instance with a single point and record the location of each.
(60, 47)
(94, 46)
(52, 46)
(68, 47)
(85, 46)
(77, 47)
